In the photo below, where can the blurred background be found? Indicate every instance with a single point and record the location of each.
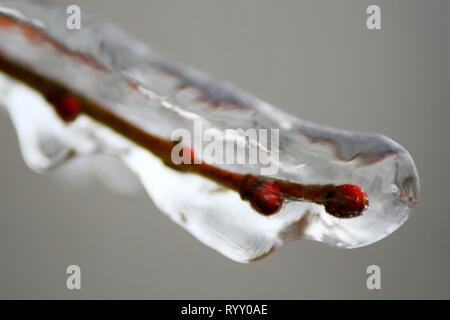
(314, 59)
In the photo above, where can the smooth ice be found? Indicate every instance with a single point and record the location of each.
(129, 79)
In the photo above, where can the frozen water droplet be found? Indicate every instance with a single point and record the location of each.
(141, 96)
(40, 144)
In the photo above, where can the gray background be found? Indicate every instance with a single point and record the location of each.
(315, 59)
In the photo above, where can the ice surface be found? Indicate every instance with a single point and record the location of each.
(125, 76)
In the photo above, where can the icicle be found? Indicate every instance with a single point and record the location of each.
(98, 91)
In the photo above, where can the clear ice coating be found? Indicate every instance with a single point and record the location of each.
(125, 76)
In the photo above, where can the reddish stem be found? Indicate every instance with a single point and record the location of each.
(265, 195)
